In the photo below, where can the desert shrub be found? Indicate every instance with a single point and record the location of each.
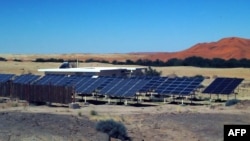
(93, 113)
(13, 104)
(2, 59)
(218, 100)
(153, 72)
(231, 102)
(48, 60)
(17, 60)
(206, 99)
(113, 129)
(79, 114)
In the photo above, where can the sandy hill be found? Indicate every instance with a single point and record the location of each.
(226, 48)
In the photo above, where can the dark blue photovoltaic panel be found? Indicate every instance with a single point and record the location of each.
(77, 80)
(124, 87)
(26, 79)
(93, 84)
(112, 87)
(223, 85)
(6, 77)
(105, 83)
(152, 84)
(133, 87)
(54, 79)
(179, 86)
(169, 86)
(81, 84)
(109, 88)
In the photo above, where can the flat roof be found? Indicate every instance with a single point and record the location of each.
(88, 69)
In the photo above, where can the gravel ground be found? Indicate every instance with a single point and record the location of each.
(157, 123)
(20, 126)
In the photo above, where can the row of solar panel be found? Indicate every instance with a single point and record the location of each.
(112, 86)
(124, 87)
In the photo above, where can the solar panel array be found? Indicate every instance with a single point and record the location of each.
(26, 79)
(6, 77)
(223, 86)
(123, 87)
(177, 86)
(113, 86)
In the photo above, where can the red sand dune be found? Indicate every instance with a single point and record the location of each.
(225, 48)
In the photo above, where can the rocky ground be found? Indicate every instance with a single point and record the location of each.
(16, 125)
(21, 122)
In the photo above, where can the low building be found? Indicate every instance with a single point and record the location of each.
(98, 71)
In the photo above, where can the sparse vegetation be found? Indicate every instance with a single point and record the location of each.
(152, 72)
(48, 60)
(95, 60)
(112, 129)
(93, 113)
(122, 118)
(79, 113)
(25, 105)
(67, 110)
(14, 104)
(17, 60)
(2, 59)
(190, 61)
(231, 102)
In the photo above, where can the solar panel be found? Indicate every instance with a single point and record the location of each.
(179, 86)
(152, 83)
(112, 87)
(77, 80)
(223, 85)
(123, 86)
(169, 86)
(133, 87)
(25, 79)
(6, 77)
(87, 85)
(54, 79)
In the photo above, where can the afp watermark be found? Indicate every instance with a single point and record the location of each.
(236, 132)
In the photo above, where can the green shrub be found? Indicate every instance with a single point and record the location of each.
(231, 102)
(93, 113)
(218, 100)
(17, 60)
(48, 60)
(2, 59)
(113, 129)
(79, 114)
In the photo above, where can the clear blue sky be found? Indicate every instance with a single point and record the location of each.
(118, 26)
